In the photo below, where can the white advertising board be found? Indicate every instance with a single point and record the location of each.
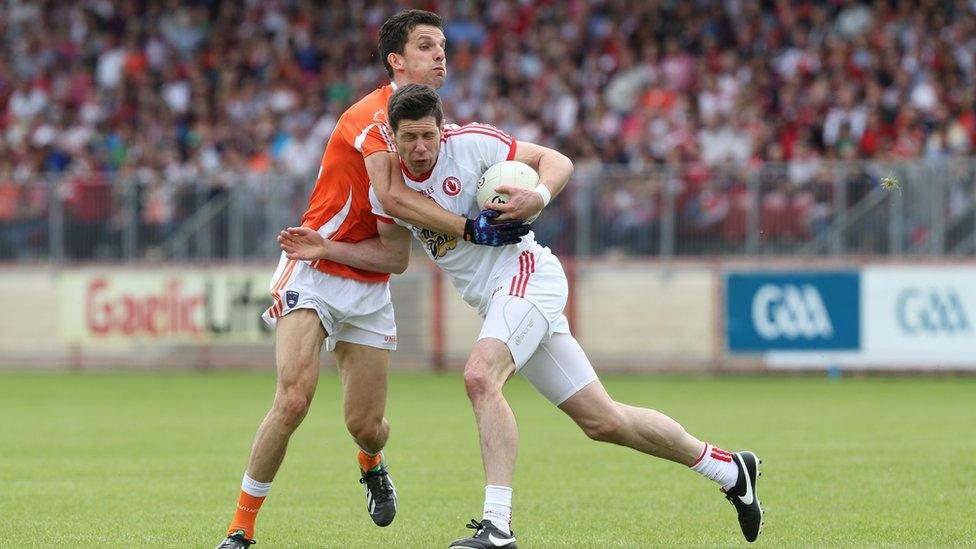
(912, 318)
(106, 306)
(919, 316)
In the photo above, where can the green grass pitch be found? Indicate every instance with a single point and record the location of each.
(155, 460)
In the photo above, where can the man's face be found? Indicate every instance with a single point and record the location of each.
(418, 142)
(424, 59)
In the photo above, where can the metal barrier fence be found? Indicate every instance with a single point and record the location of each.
(797, 208)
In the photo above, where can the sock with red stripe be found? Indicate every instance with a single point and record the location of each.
(716, 464)
(498, 507)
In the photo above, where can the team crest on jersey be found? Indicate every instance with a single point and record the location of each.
(452, 186)
(438, 244)
(291, 298)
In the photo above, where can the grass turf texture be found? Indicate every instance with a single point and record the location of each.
(140, 460)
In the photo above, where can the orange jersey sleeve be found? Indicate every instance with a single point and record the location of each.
(375, 137)
(339, 206)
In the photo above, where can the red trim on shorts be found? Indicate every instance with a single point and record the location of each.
(530, 260)
(511, 289)
(521, 281)
(276, 309)
(517, 279)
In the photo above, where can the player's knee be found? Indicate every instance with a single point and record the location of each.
(366, 429)
(479, 382)
(475, 383)
(484, 374)
(603, 427)
(291, 408)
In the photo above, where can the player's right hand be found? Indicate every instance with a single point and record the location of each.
(483, 230)
(522, 203)
(302, 243)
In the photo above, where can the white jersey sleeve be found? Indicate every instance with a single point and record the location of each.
(480, 145)
(377, 208)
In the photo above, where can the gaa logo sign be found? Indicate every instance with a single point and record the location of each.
(790, 311)
(793, 311)
(931, 311)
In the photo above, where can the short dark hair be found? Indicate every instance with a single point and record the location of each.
(396, 29)
(413, 102)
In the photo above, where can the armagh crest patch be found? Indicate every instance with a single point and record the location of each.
(291, 298)
(452, 186)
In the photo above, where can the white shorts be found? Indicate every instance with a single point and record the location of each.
(537, 333)
(349, 310)
(545, 287)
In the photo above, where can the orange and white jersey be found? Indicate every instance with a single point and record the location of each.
(339, 207)
(477, 272)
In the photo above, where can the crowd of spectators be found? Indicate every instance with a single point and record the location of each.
(709, 94)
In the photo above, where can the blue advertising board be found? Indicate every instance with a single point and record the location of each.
(792, 311)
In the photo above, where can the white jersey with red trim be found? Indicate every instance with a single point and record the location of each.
(478, 272)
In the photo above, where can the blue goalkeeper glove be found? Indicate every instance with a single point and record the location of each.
(481, 230)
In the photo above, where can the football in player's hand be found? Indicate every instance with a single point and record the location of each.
(509, 172)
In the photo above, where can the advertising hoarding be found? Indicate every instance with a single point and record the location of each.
(792, 311)
(106, 306)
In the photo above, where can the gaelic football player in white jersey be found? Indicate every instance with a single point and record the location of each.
(520, 291)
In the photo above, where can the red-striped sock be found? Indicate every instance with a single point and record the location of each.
(716, 464)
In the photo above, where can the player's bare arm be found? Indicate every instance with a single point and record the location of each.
(554, 171)
(401, 202)
(385, 175)
(387, 253)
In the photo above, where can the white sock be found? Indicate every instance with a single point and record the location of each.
(716, 464)
(498, 506)
(255, 488)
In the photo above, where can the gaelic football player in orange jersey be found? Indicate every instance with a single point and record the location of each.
(348, 308)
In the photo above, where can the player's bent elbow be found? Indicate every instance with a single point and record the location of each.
(393, 203)
(397, 261)
(569, 163)
(401, 265)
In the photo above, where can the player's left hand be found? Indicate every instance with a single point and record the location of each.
(485, 231)
(302, 243)
(522, 203)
